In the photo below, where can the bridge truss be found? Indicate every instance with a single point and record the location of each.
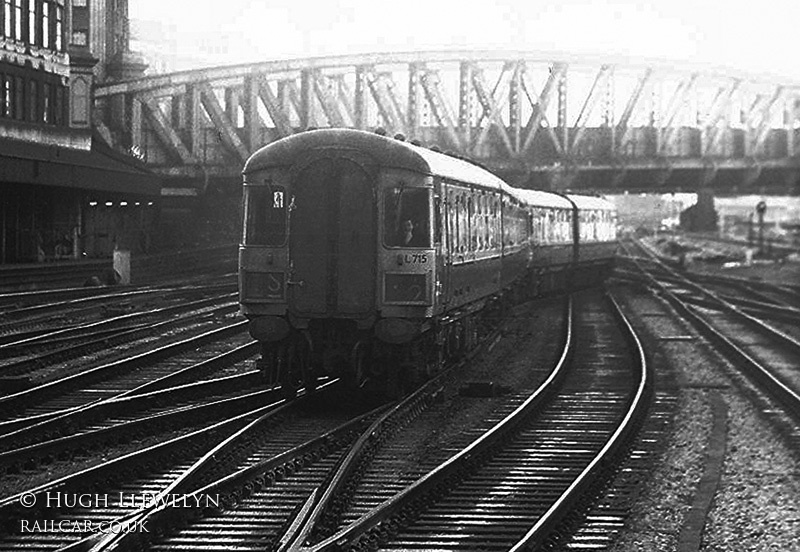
(519, 113)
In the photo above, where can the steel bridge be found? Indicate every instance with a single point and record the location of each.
(538, 120)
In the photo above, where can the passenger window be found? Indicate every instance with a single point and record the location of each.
(437, 223)
(452, 215)
(463, 224)
(492, 223)
(473, 239)
(406, 217)
(266, 215)
(487, 221)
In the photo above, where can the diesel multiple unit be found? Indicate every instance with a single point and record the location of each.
(376, 260)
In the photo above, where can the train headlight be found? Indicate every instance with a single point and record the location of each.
(406, 289)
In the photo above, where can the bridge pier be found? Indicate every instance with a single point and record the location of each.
(702, 216)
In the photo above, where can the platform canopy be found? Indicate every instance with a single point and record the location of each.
(99, 168)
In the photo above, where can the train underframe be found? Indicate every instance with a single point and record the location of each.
(338, 348)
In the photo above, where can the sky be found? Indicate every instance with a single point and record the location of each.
(752, 37)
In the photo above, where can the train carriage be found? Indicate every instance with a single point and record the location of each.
(375, 259)
(595, 238)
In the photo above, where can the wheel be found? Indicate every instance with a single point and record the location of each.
(359, 365)
(434, 360)
(295, 373)
(455, 340)
(305, 355)
(270, 365)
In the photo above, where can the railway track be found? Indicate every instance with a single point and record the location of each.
(766, 356)
(187, 359)
(278, 434)
(25, 323)
(786, 317)
(783, 293)
(760, 299)
(519, 461)
(107, 428)
(30, 355)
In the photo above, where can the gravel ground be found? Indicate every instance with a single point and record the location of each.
(758, 504)
(755, 507)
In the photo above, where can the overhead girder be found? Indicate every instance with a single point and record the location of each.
(789, 119)
(329, 101)
(382, 90)
(669, 129)
(515, 105)
(623, 126)
(225, 128)
(345, 97)
(562, 113)
(289, 98)
(274, 106)
(252, 119)
(360, 100)
(439, 106)
(501, 104)
(492, 104)
(719, 107)
(540, 103)
(762, 118)
(466, 103)
(104, 131)
(146, 103)
(595, 93)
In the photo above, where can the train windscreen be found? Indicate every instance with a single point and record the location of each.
(406, 217)
(266, 215)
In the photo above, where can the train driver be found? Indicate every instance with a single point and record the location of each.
(410, 235)
(406, 212)
(407, 232)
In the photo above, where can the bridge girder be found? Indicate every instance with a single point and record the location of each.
(511, 110)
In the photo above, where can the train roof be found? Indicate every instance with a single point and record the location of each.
(386, 151)
(591, 202)
(389, 152)
(540, 198)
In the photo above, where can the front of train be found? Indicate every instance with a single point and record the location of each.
(336, 255)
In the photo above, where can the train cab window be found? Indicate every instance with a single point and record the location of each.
(265, 208)
(406, 214)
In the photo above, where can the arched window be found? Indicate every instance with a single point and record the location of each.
(80, 101)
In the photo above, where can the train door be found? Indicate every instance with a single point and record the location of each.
(332, 239)
(450, 240)
(440, 243)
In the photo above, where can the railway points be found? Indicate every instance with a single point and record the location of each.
(619, 509)
(361, 342)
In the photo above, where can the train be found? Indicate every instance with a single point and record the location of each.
(376, 260)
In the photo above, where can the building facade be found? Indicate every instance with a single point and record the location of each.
(64, 194)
